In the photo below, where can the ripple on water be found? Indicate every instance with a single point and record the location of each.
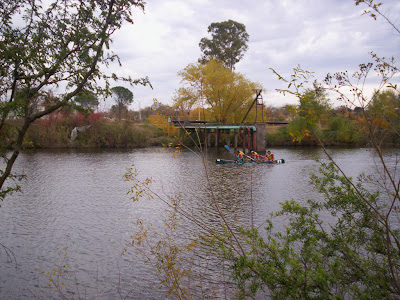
(78, 199)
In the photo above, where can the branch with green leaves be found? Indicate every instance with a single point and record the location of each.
(55, 46)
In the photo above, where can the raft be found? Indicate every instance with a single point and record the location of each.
(220, 161)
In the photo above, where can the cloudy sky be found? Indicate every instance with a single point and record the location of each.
(319, 35)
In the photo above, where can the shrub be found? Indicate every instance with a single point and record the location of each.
(341, 131)
(279, 138)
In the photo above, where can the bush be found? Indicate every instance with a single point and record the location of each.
(354, 254)
(55, 132)
(110, 134)
(280, 137)
(341, 131)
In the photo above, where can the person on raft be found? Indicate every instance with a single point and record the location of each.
(254, 155)
(239, 156)
(269, 156)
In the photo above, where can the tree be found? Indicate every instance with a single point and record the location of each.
(312, 111)
(123, 97)
(228, 43)
(290, 111)
(55, 44)
(341, 130)
(384, 111)
(86, 99)
(184, 99)
(227, 94)
(314, 106)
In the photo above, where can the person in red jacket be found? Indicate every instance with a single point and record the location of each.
(254, 155)
(239, 156)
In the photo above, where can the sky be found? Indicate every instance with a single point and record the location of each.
(322, 36)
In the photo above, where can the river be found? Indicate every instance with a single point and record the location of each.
(74, 204)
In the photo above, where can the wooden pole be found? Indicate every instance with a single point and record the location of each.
(236, 139)
(244, 139)
(254, 146)
(248, 138)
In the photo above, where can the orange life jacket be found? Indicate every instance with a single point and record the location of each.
(270, 156)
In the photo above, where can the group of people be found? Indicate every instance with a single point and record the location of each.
(240, 156)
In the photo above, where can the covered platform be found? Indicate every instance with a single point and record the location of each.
(248, 136)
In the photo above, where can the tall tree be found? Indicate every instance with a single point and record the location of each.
(123, 97)
(50, 45)
(184, 99)
(384, 113)
(87, 100)
(227, 94)
(228, 43)
(312, 112)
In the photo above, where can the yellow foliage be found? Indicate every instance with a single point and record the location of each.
(380, 122)
(140, 188)
(225, 95)
(162, 122)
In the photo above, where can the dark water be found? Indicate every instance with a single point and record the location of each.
(78, 200)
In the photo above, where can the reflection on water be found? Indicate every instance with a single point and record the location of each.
(78, 199)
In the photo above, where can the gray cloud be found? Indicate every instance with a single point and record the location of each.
(321, 36)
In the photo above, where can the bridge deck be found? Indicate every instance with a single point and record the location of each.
(206, 125)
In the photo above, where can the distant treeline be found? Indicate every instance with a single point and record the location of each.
(312, 122)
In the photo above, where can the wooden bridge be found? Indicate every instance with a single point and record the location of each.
(248, 136)
(251, 135)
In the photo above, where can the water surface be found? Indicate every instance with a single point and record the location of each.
(77, 199)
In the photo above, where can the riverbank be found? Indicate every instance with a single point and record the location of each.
(96, 131)
(93, 131)
(332, 135)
